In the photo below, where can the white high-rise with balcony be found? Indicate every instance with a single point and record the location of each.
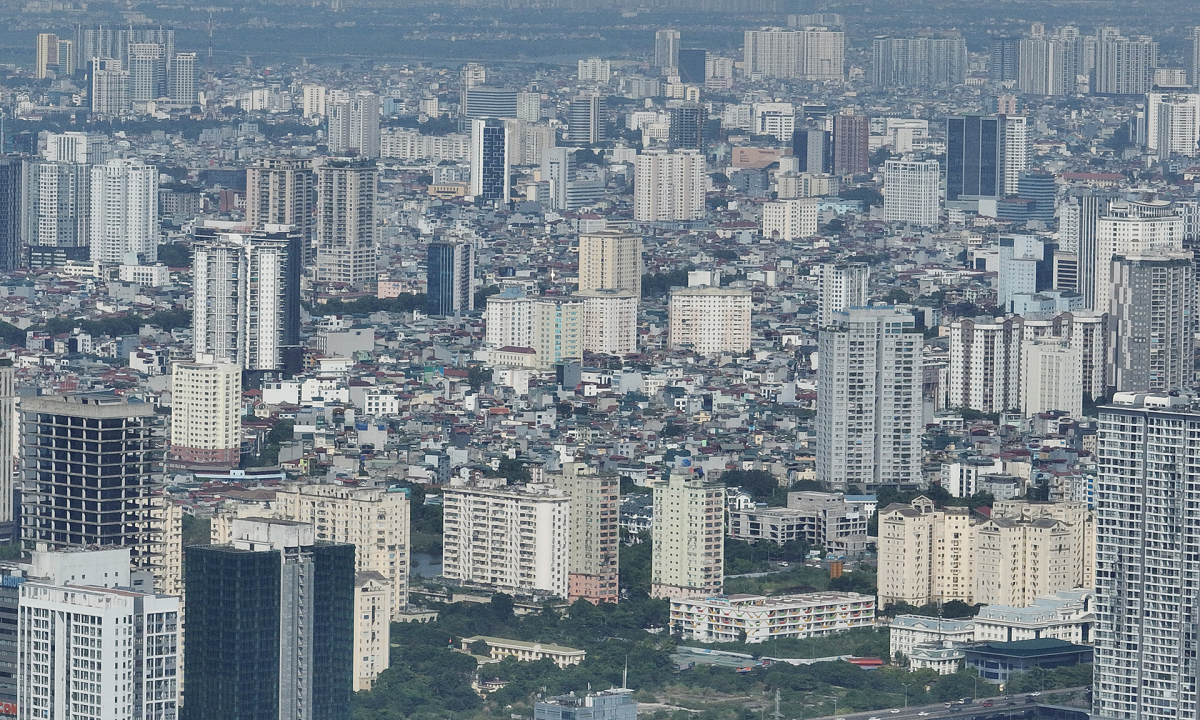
(709, 320)
(790, 219)
(669, 186)
(840, 286)
(124, 221)
(911, 191)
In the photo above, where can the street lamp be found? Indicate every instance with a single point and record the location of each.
(976, 687)
(906, 694)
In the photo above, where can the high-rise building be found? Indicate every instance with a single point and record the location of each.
(693, 64)
(669, 186)
(840, 286)
(489, 102)
(13, 203)
(587, 117)
(1024, 269)
(1004, 59)
(985, 155)
(1194, 77)
(688, 553)
(615, 704)
(985, 364)
(911, 190)
(76, 147)
(1152, 319)
(814, 150)
(1081, 212)
(354, 125)
(1047, 66)
(314, 100)
(105, 492)
(508, 537)
(687, 126)
(811, 54)
(593, 545)
(247, 291)
(610, 321)
(473, 75)
(1146, 607)
(110, 88)
(450, 278)
(1040, 189)
(206, 417)
(1130, 228)
(282, 191)
(594, 70)
(490, 160)
(182, 88)
(372, 628)
(666, 49)
(97, 652)
(58, 207)
(347, 235)
(374, 520)
(124, 212)
(8, 450)
(147, 63)
(709, 320)
(48, 60)
(1173, 124)
(558, 330)
(1125, 66)
(610, 260)
(869, 400)
(919, 62)
(1051, 377)
(790, 219)
(270, 625)
(851, 144)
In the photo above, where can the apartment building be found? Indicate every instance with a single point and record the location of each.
(759, 619)
(688, 534)
(206, 421)
(512, 538)
(594, 540)
(709, 320)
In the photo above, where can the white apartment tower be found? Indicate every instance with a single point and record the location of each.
(354, 125)
(282, 191)
(688, 557)
(58, 204)
(911, 192)
(666, 49)
(96, 653)
(709, 320)
(124, 216)
(206, 415)
(346, 232)
(1152, 320)
(511, 538)
(610, 260)
(869, 400)
(669, 186)
(374, 520)
(840, 286)
(610, 320)
(810, 54)
(985, 364)
(8, 442)
(1018, 150)
(1147, 609)
(1052, 379)
(1131, 228)
(790, 219)
(1172, 124)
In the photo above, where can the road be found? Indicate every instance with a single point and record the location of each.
(939, 710)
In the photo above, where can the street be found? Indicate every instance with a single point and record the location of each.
(939, 710)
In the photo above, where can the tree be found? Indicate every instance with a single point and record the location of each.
(175, 255)
(897, 296)
(481, 648)
(512, 470)
(477, 375)
(502, 605)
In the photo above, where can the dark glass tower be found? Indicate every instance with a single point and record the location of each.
(489, 160)
(687, 127)
(448, 273)
(974, 156)
(270, 625)
(11, 182)
(692, 63)
(814, 150)
(1004, 61)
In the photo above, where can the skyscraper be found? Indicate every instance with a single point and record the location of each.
(985, 364)
(709, 320)
(58, 208)
(490, 160)
(919, 62)
(687, 126)
(840, 286)
(182, 88)
(12, 204)
(610, 260)
(985, 155)
(814, 150)
(489, 102)
(688, 554)
(587, 118)
(1130, 228)
(869, 404)
(450, 279)
(9, 421)
(47, 55)
(103, 492)
(911, 191)
(1046, 67)
(812, 54)
(693, 63)
(124, 216)
(270, 625)
(283, 191)
(851, 144)
(669, 186)
(247, 297)
(206, 417)
(347, 235)
(354, 125)
(1124, 66)
(1152, 318)
(110, 88)
(147, 64)
(1146, 605)
(1194, 77)
(1004, 59)
(1077, 234)
(1173, 124)
(666, 49)
(592, 545)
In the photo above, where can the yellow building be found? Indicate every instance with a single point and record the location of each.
(689, 533)
(372, 628)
